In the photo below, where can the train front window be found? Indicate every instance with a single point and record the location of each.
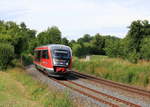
(63, 54)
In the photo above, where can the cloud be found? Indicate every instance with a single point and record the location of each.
(76, 17)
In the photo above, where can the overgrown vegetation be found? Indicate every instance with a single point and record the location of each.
(116, 69)
(20, 90)
(6, 55)
(134, 47)
(17, 43)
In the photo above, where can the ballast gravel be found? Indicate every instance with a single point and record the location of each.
(78, 99)
(112, 93)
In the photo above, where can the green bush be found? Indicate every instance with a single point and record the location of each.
(77, 50)
(26, 59)
(133, 57)
(6, 55)
(115, 69)
(145, 52)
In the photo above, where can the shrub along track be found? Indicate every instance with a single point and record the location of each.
(113, 84)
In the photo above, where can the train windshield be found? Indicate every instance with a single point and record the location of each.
(61, 54)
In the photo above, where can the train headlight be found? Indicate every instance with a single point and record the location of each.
(67, 63)
(54, 61)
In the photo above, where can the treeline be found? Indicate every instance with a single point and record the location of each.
(14, 42)
(17, 41)
(135, 46)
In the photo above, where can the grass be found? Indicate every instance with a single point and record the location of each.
(17, 89)
(116, 69)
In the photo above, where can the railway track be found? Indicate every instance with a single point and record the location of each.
(99, 96)
(113, 84)
(80, 91)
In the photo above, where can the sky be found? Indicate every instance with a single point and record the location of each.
(75, 18)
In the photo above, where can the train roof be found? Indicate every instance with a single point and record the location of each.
(56, 46)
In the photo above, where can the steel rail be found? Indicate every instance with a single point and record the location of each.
(108, 96)
(82, 92)
(86, 94)
(113, 84)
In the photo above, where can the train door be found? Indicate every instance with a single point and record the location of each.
(45, 58)
(38, 56)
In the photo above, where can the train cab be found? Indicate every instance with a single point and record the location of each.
(54, 59)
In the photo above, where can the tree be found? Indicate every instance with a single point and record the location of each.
(138, 31)
(23, 25)
(32, 45)
(135, 35)
(71, 43)
(98, 44)
(77, 50)
(65, 41)
(87, 49)
(43, 38)
(16, 35)
(51, 35)
(145, 51)
(6, 55)
(55, 34)
(113, 48)
(85, 38)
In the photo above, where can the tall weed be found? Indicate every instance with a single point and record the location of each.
(115, 69)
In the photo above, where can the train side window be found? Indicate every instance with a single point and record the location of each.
(37, 55)
(45, 54)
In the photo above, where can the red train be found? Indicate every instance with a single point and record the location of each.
(54, 59)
